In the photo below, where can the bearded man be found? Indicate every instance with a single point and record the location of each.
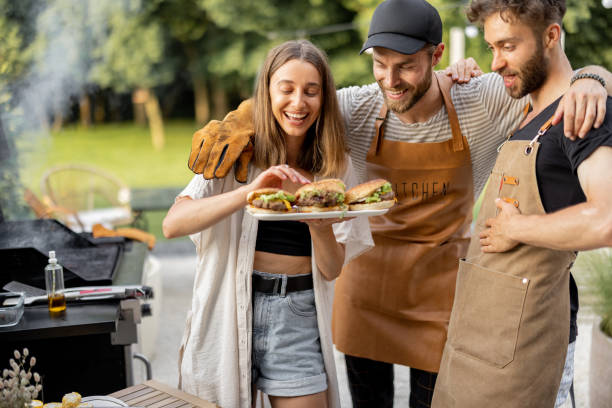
(436, 142)
(511, 337)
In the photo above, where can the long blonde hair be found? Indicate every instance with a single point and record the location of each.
(324, 147)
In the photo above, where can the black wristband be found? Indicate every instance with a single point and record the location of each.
(588, 75)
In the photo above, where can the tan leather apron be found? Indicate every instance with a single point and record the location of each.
(393, 303)
(509, 329)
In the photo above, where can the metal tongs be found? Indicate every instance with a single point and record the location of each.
(34, 295)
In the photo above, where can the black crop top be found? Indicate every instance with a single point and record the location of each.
(284, 238)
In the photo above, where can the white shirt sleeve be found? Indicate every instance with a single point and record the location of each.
(354, 234)
(198, 187)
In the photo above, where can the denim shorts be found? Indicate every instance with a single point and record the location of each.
(287, 359)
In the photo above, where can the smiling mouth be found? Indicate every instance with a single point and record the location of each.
(392, 94)
(509, 80)
(296, 117)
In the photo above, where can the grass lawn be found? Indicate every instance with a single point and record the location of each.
(124, 149)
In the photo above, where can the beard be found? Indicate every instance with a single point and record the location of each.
(531, 75)
(413, 94)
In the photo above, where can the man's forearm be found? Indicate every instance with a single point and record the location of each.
(602, 72)
(580, 227)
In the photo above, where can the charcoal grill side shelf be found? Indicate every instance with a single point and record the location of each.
(77, 320)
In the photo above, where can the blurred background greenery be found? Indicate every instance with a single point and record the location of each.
(122, 84)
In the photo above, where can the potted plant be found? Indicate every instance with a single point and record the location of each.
(598, 266)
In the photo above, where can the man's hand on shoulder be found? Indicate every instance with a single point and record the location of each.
(221, 144)
(463, 70)
(583, 107)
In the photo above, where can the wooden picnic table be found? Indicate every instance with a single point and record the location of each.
(152, 394)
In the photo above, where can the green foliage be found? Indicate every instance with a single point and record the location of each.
(133, 53)
(15, 54)
(588, 35)
(15, 58)
(350, 68)
(255, 27)
(598, 267)
(273, 16)
(12, 64)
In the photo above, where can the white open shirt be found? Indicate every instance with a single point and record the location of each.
(215, 353)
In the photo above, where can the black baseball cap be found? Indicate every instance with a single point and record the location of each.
(404, 26)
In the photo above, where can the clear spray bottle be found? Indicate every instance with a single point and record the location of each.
(54, 279)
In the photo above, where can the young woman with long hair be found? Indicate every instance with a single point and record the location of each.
(244, 333)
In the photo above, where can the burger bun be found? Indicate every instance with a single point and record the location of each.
(312, 208)
(253, 209)
(379, 205)
(363, 190)
(333, 185)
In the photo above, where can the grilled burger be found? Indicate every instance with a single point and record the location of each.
(322, 195)
(373, 195)
(270, 200)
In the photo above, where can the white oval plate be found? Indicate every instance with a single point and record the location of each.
(315, 215)
(104, 401)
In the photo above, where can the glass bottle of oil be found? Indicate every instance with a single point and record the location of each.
(54, 279)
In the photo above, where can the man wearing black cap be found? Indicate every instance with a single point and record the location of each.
(436, 142)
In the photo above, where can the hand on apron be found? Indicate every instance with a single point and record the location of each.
(494, 238)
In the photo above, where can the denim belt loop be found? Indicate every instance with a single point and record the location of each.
(283, 289)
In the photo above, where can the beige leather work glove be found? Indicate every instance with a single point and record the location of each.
(221, 144)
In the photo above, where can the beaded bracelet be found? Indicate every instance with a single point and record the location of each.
(590, 76)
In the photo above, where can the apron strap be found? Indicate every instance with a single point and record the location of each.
(543, 129)
(380, 127)
(452, 116)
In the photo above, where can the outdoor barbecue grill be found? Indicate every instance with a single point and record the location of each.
(89, 348)
(25, 245)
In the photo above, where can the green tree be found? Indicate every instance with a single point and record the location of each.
(196, 41)
(61, 53)
(257, 26)
(132, 58)
(588, 33)
(16, 33)
(15, 54)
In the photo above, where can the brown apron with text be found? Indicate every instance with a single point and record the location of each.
(393, 303)
(509, 329)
